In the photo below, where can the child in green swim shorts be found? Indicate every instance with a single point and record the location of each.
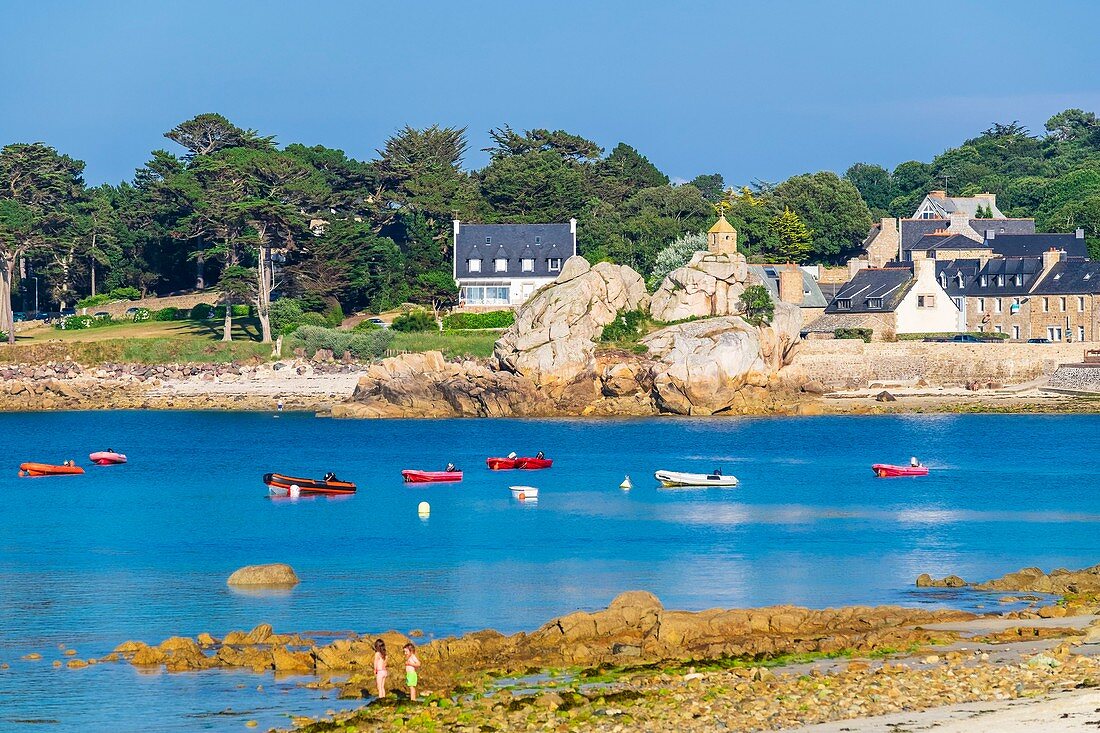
(412, 667)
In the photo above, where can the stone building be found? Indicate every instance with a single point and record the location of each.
(792, 284)
(1065, 302)
(997, 299)
(722, 238)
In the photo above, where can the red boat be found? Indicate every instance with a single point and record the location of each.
(885, 470)
(525, 462)
(412, 476)
(281, 485)
(46, 469)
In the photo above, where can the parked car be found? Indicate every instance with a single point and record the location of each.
(18, 317)
(42, 316)
(1040, 341)
(68, 312)
(132, 311)
(379, 322)
(101, 314)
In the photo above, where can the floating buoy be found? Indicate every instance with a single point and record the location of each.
(626, 484)
(22, 474)
(423, 508)
(295, 490)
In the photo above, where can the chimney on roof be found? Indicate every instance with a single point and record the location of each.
(1080, 233)
(855, 265)
(960, 224)
(790, 284)
(937, 194)
(990, 199)
(990, 234)
(1051, 258)
(457, 225)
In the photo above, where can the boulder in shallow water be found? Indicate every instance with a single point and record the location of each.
(274, 575)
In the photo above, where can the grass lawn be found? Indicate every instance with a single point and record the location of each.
(149, 342)
(451, 343)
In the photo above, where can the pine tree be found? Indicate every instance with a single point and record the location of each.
(793, 237)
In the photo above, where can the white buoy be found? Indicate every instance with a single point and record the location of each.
(295, 490)
(423, 508)
(626, 484)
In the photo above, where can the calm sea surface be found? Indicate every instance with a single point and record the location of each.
(142, 551)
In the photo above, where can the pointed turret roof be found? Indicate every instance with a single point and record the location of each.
(722, 227)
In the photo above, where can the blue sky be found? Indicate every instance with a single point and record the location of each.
(753, 90)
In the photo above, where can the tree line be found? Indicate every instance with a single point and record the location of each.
(229, 206)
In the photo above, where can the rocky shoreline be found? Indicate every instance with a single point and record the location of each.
(636, 665)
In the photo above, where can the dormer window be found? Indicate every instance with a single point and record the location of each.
(845, 304)
(527, 264)
(488, 240)
(538, 240)
(959, 279)
(985, 281)
(875, 303)
(473, 265)
(1018, 280)
(943, 280)
(501, 264)
(1000, 281)
(553, 264)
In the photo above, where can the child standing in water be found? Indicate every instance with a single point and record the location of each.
(380, 671)
(412, 667)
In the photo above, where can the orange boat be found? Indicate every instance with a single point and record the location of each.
(45, 469)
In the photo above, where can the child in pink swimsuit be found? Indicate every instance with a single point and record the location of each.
(380, 671)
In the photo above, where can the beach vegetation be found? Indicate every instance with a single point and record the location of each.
(756, 305)
(469, 321)
(415, 320)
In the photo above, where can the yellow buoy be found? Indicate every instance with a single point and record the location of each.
(424, 509)
(626, 484)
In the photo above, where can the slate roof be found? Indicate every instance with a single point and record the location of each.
(942, 241)
(950, 204)
(1006, 269)
(829, 322)
(513, 242)
(890, 284)
(1074, 277)
(1033, 245)
(913, 229)
(951, 269)
(812, 297)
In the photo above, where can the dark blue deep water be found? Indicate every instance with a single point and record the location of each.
(142, 551)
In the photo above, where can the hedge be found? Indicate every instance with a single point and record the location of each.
(80, 323)
(370, 345)
(853, 333)
(949, 335)
(166, 314)
(492, 319)
(201, 311)
(417, 320)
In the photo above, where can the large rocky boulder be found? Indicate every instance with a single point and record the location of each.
(553, 340)
(709, 366)
(427, 385)
(274, 575)
(709, 285)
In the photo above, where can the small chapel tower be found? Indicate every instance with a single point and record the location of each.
(722, 237)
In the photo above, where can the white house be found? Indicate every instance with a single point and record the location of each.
(498, 265)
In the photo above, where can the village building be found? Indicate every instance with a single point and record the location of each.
(938, 205)
(1064, 303)
(502, 265)
(899, 299)
(792, 284)
(997, 301)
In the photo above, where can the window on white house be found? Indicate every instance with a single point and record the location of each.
(553, 264)
(996, 305)
(926, 301)
(1062, 302)
(538, 240)
(473, 265)
(1016, 333)
(527, 264)
(874, 302)
(488, 240)
(1080, 304)
(501, 264)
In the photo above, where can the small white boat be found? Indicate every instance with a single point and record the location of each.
(676, 478)
(524, 492)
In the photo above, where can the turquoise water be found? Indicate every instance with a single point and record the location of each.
(142, 551)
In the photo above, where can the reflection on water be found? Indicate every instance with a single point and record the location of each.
(143, 550)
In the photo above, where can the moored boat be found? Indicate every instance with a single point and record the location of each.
(677, 478)
(524, 492)
(47, 469)
(886, 470)
(413, 476)
(282, 485)
(107, 458)
(523, 462)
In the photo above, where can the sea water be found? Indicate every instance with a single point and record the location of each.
(142, 551)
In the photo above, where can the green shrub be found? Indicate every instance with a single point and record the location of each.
(125, 294)
(142, 314)
(242, 311)
(627, 326)
(370, 345)
(93, 300)
(334, 314)
(202, 311)
(365, 325)
(286, 314)
(76, 323)
(313, 319)
(950, 335)
(492, 319)
(415, 320)
(166, 314)
(853, 333)
(756, 305)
